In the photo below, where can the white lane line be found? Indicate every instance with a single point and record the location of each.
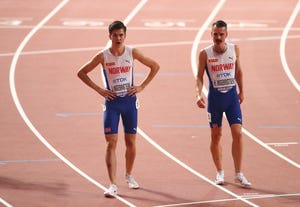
(5, 203)
(158, 44)
(254, 138)
(3, 162)
(25, 117)
(282, 144)
(282, 47)
(254, 196)
(97, 28)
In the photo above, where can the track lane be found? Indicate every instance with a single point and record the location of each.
(170, 140)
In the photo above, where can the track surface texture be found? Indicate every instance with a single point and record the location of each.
(52, 146)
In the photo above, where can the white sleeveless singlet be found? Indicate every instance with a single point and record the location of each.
(118, 71)
(220, 68)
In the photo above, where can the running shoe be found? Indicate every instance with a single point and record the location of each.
(131, 182)
(112, 191)
(220, 178)
(240, 178)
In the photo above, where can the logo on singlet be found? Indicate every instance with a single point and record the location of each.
(110, 64)
(212, 60)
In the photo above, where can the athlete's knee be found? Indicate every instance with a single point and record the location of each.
(216, 134)
(111, 142)
(236, 131)
(130, 140)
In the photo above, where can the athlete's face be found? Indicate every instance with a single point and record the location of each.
(117, 37)
(219, 35)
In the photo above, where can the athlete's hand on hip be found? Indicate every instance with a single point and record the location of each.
(134, 89)
(201, 102)
(108, 94)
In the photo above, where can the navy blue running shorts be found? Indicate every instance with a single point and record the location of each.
(124, 107)
(219, 103)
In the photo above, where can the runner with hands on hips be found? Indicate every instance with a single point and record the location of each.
(120, 98)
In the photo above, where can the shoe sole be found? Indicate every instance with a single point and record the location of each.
(220, 183)
(108, 195)
(134, 187)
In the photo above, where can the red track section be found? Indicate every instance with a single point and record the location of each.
(68, 115)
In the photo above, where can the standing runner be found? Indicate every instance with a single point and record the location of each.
(120, 98)
(223, 68)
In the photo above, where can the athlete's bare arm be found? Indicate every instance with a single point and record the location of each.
(88, 67)
(147, 61)
(239, 74)
(199, 79)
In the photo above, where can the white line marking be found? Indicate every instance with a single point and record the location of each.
(282, 144)
(195, 69)
(3, 162)
(5, 203)
(282, 47)
(22, 112)
(78, 114)
(59, 27)
(159, 44)
(255, 196)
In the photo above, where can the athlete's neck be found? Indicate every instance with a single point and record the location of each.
(220, 48)
(117, 50)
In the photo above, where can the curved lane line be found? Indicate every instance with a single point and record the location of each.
(22, 112)
(251, 197)
(282, 47)
(5, 203)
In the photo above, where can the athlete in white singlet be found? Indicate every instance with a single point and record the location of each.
(222, 97)
(118, 71)
(120, 98)
(222, 65)
(221, 68)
